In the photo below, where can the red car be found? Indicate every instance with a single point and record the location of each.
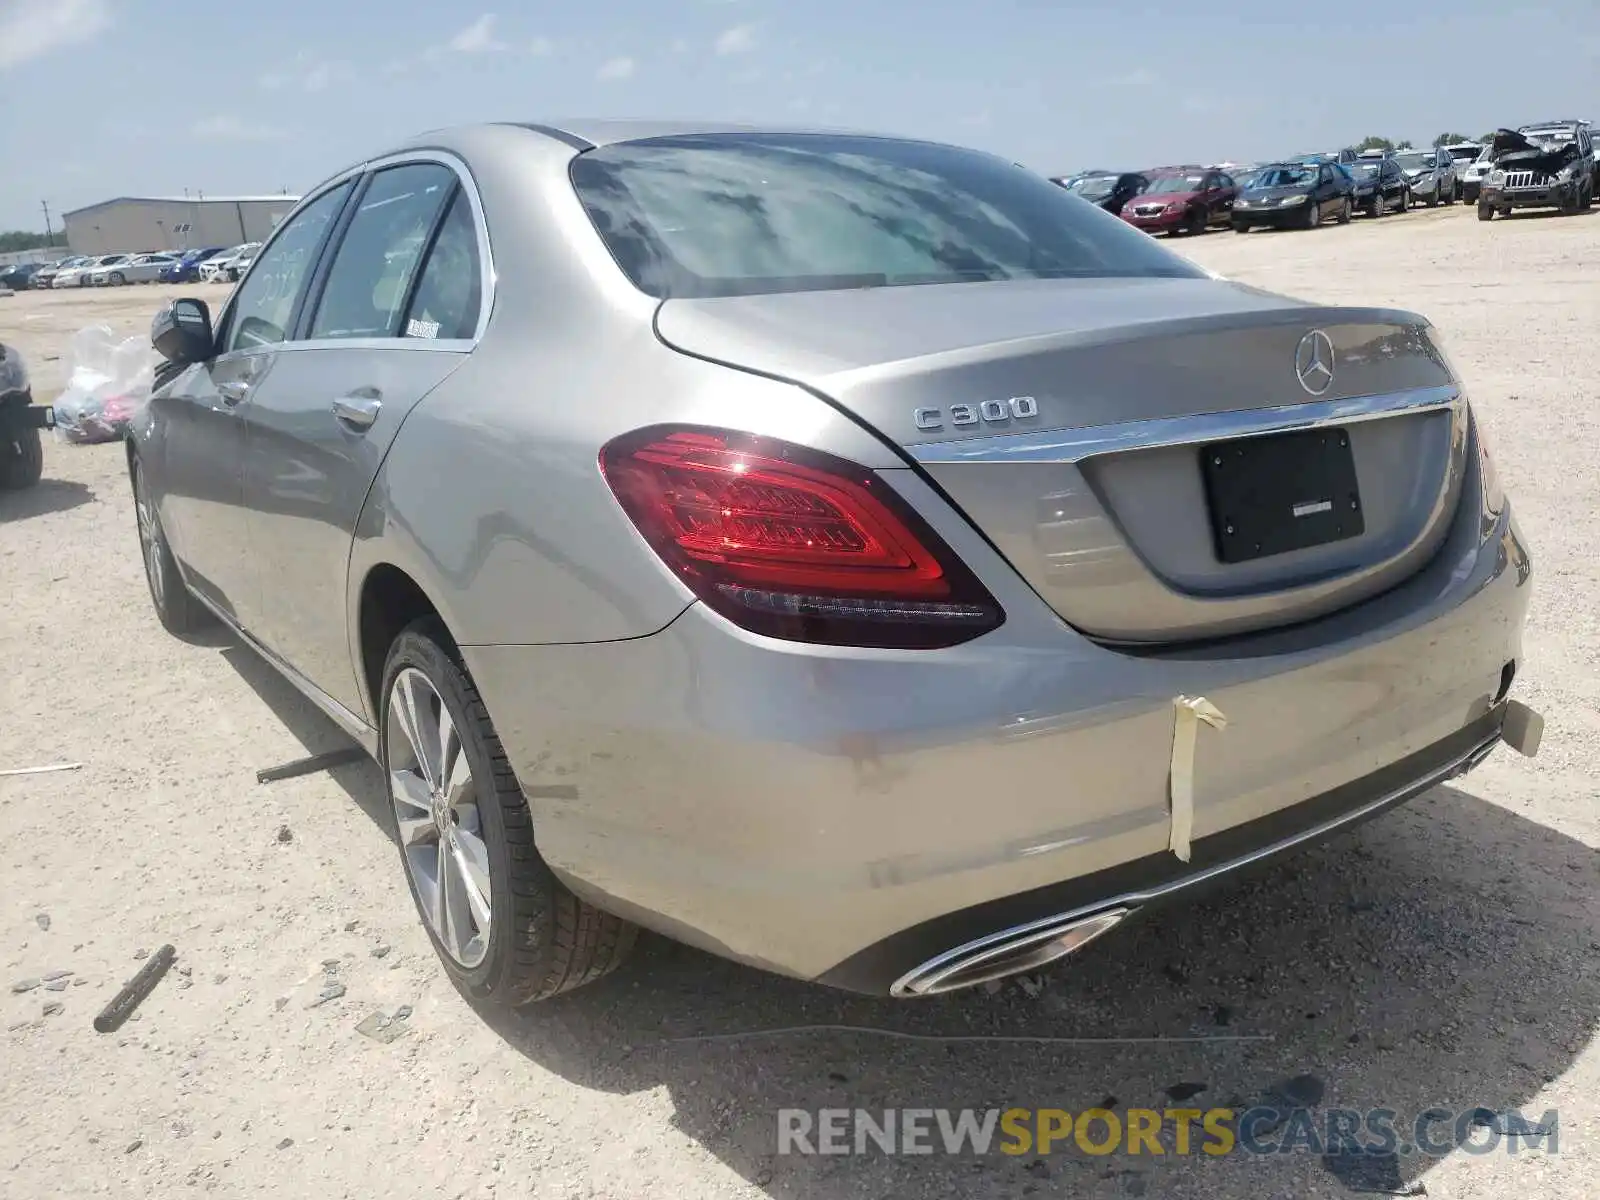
(1183, 200)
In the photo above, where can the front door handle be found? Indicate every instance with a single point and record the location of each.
(233, 391)
(358, 410)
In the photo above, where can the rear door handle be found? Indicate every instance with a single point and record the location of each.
(358, 410)
(233, 391)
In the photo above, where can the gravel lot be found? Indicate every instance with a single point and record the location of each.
(1445, 955)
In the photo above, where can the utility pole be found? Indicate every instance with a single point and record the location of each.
(48, 236)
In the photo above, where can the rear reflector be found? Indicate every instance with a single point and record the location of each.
(794, 543)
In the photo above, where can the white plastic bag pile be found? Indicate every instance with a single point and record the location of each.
(109, 385)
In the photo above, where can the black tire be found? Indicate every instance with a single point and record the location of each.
(1405, 200)
(1346, 211)
(176, 608)
(21, 461)
(543, 940)
(118, 278)
(1485, 211)
(1313, 217)
(1375, 210)
(1240, 227)
(1196, 224)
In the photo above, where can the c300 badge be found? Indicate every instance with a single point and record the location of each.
(990, 412)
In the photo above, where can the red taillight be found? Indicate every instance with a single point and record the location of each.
(794, 543)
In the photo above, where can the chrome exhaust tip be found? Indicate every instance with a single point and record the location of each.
(1009, 952)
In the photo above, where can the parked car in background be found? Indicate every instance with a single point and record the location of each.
(1430, 174)
(1550, 164)
(137, 268)
(1464, 153)
(112, 270)
(1182, 200)
(1472, 175)
(1112, 190)
(19, 276)
(1347, 155)
(240, 263)
(46, 275)
(812, 644)
(1379, 184)
(1294, 194)
(211, 270)
(186, 269)
(79, 274)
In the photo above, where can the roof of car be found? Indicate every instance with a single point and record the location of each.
(586, 133)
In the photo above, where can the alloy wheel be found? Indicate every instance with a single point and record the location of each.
(149, 540)
(436, 811)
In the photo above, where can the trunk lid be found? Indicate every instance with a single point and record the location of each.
(1067, 419)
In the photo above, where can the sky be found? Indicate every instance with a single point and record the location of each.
(100, 98)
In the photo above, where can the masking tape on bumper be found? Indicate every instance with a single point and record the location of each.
(1189, 712)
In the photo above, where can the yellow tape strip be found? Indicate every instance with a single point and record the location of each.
(1189, 711)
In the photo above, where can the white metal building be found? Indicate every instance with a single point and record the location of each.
(144, 223)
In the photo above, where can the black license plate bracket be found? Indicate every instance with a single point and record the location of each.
(1281, 492)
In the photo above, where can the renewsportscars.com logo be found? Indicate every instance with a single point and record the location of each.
(1433, 1132)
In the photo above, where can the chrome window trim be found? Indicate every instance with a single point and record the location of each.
(1076, 445)
(487, 277)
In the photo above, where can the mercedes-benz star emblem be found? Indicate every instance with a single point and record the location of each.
(1313, 362)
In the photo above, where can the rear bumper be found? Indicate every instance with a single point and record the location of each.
(844, 815)
(1157, 879)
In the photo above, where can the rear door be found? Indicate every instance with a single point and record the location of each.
(395, 311)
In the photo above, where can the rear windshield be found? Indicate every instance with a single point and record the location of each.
(748, 214)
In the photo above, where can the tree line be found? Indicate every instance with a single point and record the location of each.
(20, 239)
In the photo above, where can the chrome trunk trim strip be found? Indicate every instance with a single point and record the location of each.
(1075, 445)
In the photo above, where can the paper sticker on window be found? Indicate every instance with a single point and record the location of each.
(422, 329)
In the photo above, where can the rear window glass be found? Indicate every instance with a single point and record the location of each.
(746, 214)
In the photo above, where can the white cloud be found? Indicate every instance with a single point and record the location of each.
(307, 73)
(31, 28)
(616, 68)
(739, 40)
(228, 128)
(541, 47)
(1138, 77)
(477, 38)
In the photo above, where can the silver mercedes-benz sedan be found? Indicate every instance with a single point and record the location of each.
(855, 556)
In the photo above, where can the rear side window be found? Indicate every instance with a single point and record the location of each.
(745, 214)
(382, 247)
(450, 290)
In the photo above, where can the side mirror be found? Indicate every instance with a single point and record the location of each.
(181, 332)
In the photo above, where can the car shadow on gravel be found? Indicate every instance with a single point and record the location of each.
(1443, 956)
(46, 496)
(310, 727)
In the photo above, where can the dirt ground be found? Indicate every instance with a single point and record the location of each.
(1448, 954)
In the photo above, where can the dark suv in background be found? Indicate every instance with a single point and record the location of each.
(1182, 200)
(1550, 164)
